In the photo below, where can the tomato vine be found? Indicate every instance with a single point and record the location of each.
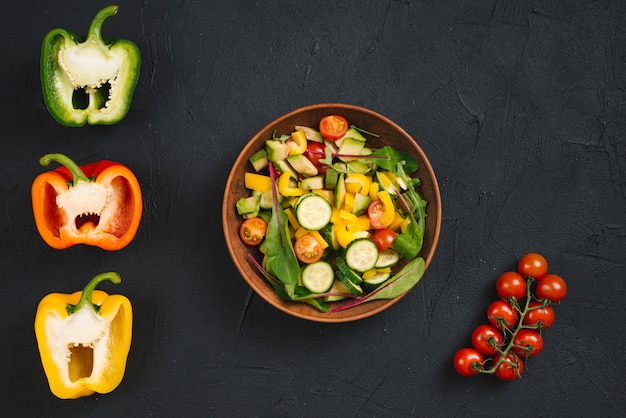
(517, 322)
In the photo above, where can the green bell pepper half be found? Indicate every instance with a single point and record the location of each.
(88, 79)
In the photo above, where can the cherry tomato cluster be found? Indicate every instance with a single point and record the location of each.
(516, 321)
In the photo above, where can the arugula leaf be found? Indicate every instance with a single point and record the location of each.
(280, 256)
(393, 157)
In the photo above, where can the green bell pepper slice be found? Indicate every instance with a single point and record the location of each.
(88, 79)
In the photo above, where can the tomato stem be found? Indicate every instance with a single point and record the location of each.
(520, 325)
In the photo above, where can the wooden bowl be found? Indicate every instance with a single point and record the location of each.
(390, 134)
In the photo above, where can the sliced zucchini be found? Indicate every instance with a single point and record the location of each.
(313, 212)
(387, 258)
(362, 254)
(318, 277)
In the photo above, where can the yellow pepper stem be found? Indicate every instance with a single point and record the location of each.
(85, 297)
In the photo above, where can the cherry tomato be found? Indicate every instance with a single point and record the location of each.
(375, 212)
(510, 284)
(383, 238)
(511, 367)
(315, 151)
(533, 265)
(551, 287)
(527, 343)
(502, 315)
(252, 231)
(333, 127)
(468, 361)
(308, 249)
(537, 315)
(485, 338)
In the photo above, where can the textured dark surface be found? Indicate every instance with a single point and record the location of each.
(520, 107)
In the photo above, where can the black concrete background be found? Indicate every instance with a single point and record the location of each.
(519, 106)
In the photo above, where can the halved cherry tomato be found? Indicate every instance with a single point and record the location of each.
(468, 361)
(502, 315)
(511, 283)
(511, 367)
(538, 315)
(308, 249)
(375, 212)
(486, 339)
(551, 287)
(383, 238)
(333, 127)
(315, 151)
(533, 265)
(252, 231)
(527, 343)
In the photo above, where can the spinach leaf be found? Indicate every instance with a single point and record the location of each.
(281, 257)
(400, 283)
(404, 280)
(302, 294)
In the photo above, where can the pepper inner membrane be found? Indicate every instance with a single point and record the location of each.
(80, 363)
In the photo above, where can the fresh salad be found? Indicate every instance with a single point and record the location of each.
(333, 217)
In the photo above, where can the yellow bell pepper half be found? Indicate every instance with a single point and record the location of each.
(84, 339)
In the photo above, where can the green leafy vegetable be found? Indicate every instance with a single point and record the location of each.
(403, 281)
(393, 157)
(281, 257)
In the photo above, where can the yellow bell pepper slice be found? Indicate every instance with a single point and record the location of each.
(373, 192)
(292, 218)
(389, 212)
(362, 224)
(344, 237)
(258, 182)
(326, 194)
(348, 218)
(348, 203)
(297, 145)
(285, 189)
(358, 183)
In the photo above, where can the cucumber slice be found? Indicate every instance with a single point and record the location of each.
(347, 271)
(318, 277)
(347, 280)
(331, 237)
(387, 258)
(362, 254)
(374, 282)
(313, 212)
(378, 279)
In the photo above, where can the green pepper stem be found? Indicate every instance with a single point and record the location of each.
(95, 30)
(85, 297)
(75, 171)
